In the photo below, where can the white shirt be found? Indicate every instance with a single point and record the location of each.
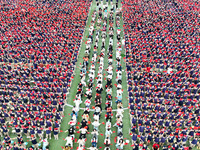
(92, 148)
(108, 133)
(110, 68)
(120, 111)
(80, 148)
(117, 54)
(108, 124)
(94, 132)
(72, 122)
(118, 31)
(96, 123)
(96, 117)
(119, 86)
(68, 138)
(81, 142)
(74, 117)
(83, 130)
(97, 109)
(109, 91)
(123, 42)
(169, 70)
(87, 102)
(101, 59)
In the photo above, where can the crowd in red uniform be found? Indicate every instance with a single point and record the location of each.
(163, 69)
(39, 45)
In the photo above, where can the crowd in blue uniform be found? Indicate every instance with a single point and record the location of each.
(163, 62)
(39, 45)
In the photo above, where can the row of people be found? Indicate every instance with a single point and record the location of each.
(108, 86)
(79, 95)
(102, 21)
(90, 87)
(119, 115)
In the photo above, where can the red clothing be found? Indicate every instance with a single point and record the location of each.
(156, 146)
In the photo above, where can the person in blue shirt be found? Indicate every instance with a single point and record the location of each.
(34, 141)
(7, 139)
(194, 142)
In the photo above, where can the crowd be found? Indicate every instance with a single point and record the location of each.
(90, 87)
(99, 29)
(163, 66)
(39, 45)
(83, 130)
(109, 86)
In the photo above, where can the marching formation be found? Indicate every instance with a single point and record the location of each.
(39, 44)
(162, 55)
(92, 70)
(40, 41)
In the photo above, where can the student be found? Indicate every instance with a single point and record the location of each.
(108, 133)
(20, 139)
(94, 142)
(55, 132)
(69, 142)
(83, 132)
(39, 132)
(34, 141)
(7, 140)
(107, 141)
(81, 142)
(96, 124)
(84, 123)
(71, 131)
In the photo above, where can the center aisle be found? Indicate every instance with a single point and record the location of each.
(98, 69)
